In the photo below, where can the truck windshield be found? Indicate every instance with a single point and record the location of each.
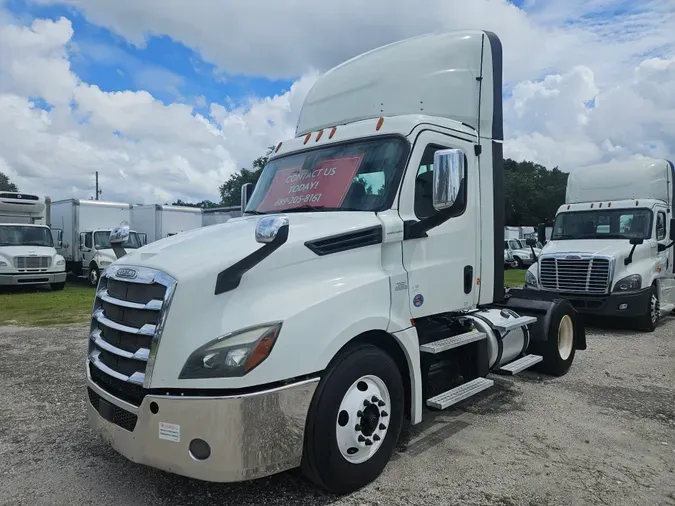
(353, 176)
(12, 235)
(603, 224)
(102, 241)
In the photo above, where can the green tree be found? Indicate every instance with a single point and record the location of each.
(204, 204)
(230, 190)
(6, 184)
(532, 193)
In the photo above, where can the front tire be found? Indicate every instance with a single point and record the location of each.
(354, 420)
(519, 263)
(94, 275)
(649, 320)
(559, 349)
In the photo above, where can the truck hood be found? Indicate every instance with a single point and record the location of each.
(209, 250)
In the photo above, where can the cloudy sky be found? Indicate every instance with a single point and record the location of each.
(166, 98)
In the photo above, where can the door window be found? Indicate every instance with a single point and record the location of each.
(660, 226)
(87, 240)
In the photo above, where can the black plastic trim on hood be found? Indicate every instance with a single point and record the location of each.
(346, 241)
(230, 278)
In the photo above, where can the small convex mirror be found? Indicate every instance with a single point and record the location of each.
(268, 227)
(449, 172)
(531, 241)
(119, 235)
(246, 193)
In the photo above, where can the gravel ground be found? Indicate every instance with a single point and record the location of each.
(604, 434)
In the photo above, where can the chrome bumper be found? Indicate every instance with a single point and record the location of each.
(33, 278)
(250, 436)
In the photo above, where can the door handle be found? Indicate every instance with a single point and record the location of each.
(468, 278)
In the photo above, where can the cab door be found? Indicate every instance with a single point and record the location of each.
(443, 267)
(664, 263)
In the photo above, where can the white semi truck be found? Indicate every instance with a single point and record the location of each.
(610, 252)
(368, 260)
(86, 226)
(157, 222)
(27, 253)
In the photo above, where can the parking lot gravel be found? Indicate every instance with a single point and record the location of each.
(604, 434)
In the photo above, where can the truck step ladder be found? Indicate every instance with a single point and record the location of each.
(508, 324)
(457, 394)
(520, 365)
(452, 342)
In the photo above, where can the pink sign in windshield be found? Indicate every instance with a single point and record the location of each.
(326, 185)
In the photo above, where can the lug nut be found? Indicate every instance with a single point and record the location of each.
(369, 442)
(366, 402)
(384, 414)
(359, 414)
(382, 426)
(357, 428)
(380, 403)
(361, 439)
(376, 437)
(374, 398)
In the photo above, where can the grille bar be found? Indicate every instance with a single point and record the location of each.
(146, 330)
(153, 305)
(141, 354)
(136, 378)
(574, 273)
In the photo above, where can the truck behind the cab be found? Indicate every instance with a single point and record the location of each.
(369, 259)
(611, 251)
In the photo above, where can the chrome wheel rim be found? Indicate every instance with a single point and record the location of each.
(363, 419)
(565, 337)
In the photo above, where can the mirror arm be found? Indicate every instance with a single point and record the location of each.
(534, 255)
(413, 229)
(118, 250)
(629, 258)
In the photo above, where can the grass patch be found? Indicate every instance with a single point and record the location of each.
(514, 277)
(44, 308)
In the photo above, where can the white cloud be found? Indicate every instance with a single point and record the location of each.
(582, 87)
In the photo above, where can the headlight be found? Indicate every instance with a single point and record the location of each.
(531, 280)
(3, 264)
(629, 283)
(232, 355)
(61, 262)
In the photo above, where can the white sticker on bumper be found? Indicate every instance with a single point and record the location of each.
(169, 432)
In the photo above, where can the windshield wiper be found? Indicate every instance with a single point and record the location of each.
(307, 207)
(254, 212)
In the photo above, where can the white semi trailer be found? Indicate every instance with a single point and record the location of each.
(369, 257)
(157, 221)
(86, 226)
(610, 251)
(27, 253)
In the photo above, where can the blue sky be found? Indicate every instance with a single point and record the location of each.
(167, 69)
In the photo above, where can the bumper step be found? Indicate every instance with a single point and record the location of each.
(508, 324)
(520, 365)
(452, 342)
(447, 399)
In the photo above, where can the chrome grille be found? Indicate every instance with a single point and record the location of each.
(126, 326)
(575, 273)
(32, 262)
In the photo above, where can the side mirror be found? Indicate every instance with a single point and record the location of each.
(449, 172)
(119, 235)
(672, 229)
(531, 241)
(246, 192)
(541, 233)
(636, 241)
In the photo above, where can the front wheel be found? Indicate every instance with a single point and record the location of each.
(94, 275)
(354, 420)
(519, 263)
(649, 320)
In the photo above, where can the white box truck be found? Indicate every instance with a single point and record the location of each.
(27, 253)
(369, 259)
(157, 222)
(86, 226)
(610, 251)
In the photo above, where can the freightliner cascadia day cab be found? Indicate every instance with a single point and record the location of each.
(369, 259)
(27, 253)
(610, 252)
(85, 239)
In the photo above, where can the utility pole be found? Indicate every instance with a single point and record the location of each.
(98, 192)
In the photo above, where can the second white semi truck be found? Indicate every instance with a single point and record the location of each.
(610, 252)
(369, 259)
